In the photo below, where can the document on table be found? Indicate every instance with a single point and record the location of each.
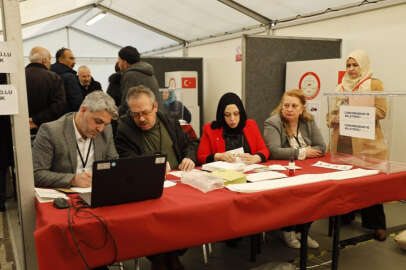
(322, 164)
(300, 180)
(81, 189)
(252, 167)
(168, 184)
(180, 173)
(261, 176)
(222, 165)
(48, 195)
(277, 167)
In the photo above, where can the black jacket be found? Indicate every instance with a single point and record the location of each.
(140, 73)
(74, 95)
(6, 144)
(114, 87)
(128, 138)
(93, 86)
(45, 93)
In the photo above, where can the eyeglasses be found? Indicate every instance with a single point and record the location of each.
(294, 106)
(143, 113)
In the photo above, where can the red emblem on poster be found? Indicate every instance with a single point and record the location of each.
(310, 85)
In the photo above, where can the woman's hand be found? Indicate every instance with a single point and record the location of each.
(249, 159)
(312, 152)
(228, 157)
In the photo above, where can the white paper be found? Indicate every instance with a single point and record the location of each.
(236, 151)
(180, 173)
(48, 195)
(300, 180)
(261, 176)
(357, 121)
(293, 167)
(322, 164)
(277, 167)
(168, 184)
(81, 190)
(8, 99)
(8, 57)
(251, 167)
(222, 165)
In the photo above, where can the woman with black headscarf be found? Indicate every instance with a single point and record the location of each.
(230, 131)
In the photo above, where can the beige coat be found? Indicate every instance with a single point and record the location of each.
(364, 147)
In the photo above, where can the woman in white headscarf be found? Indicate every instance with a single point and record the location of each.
(358, 78)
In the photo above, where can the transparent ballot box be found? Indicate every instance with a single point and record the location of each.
(368, 129)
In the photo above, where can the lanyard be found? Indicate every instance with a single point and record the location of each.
(297, 135)
(84, 162)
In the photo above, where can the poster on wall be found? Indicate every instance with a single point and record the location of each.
(8, 99)
(8, 61)
(314, 78)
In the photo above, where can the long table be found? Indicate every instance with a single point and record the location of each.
(185, 217)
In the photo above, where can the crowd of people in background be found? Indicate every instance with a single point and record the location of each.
(71, 117)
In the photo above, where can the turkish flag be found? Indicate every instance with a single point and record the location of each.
(189, 82)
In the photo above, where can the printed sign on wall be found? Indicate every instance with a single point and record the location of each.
(310, 85)
(8, 62)
(8, 99)
(357, 121)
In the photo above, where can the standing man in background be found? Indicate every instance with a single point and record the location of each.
(86, 81)
(134, 73)
(65, 61)
(45, 90)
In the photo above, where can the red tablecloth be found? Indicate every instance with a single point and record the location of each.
(185, 217)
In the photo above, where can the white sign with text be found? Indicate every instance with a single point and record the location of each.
(8, 99)
(357, 121)
(8, 61)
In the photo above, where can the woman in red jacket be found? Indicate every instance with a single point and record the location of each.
(231, 130)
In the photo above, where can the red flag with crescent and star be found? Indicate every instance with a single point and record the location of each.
(188, 82)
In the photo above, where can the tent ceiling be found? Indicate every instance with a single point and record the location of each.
(153, 24)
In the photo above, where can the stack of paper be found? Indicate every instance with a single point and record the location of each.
(222, 165)
(231, 177)
(252, 167)
(48, 195)
(180, 173)
(261, 176)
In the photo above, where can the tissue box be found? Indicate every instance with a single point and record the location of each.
(231, 177)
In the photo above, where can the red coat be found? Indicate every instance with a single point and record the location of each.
(213, 142)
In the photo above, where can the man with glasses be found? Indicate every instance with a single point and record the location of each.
(65, 61)
(144, 130)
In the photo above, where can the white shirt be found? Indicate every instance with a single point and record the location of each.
(83, 145)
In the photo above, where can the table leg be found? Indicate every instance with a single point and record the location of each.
(336, 243)
(303, 245)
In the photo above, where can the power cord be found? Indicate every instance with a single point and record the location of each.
(79, 207)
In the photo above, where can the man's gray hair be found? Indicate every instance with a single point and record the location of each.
(83, 67)
(38, 54)
(98, 101)
(135, 92)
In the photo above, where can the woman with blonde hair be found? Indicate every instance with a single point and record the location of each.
(290, 132)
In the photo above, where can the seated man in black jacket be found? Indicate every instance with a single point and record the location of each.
(145, 130)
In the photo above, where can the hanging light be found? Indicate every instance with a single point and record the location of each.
(96, 18)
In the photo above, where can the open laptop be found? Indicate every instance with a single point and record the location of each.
(126, 180)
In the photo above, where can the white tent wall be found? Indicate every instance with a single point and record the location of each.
(380, 32)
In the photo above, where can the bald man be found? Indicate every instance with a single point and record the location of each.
(45, 90)
(86, 81)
